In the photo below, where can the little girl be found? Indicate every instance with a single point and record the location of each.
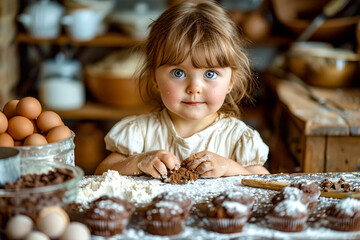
(196, 67)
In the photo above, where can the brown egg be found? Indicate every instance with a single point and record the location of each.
(19, 227)
(36, 235)
(3, 122)
(48, 120)
(6, 140)
(52, 221)
(58, 133)
(29, 107)
(35, 139)
(20, 127)
(76, 231)
(10, 108)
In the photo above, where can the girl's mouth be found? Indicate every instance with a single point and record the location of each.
(193, 103)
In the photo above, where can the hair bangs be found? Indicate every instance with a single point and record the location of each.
(215, 52)
(174, 51)
(195, 43)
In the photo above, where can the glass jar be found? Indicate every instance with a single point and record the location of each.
(61, 151)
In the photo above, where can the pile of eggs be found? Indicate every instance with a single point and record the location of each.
(22, 123)
(51, 223)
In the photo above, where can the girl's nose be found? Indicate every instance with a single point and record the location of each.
(194, 87)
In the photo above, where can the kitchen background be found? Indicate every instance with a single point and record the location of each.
(77, 57)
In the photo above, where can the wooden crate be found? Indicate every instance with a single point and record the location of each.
(319, 139)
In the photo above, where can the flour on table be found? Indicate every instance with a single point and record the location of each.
(112, 183)
(143, 189)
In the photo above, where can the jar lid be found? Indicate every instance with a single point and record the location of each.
(61, 66)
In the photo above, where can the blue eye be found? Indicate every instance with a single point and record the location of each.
(177, 73)
(210, 74)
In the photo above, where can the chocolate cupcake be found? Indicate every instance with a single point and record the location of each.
(164, 218)
(310, 189)
(290, 193)
(181, 199)
(344, 215)
(288, 216)
(107, 216)
(229, 212)
(235, 196)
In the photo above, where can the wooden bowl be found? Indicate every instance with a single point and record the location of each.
(329, 67)
(113, 90)
(289, 14)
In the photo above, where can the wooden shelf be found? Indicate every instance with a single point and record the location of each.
(107, 40)
(97, 111)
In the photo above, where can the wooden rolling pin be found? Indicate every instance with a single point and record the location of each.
(272, 185)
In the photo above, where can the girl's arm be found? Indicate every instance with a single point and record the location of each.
(119, 162)
(154, 163)
(257, 169)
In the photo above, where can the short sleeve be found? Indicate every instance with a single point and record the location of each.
(251, 149)
(125, 137)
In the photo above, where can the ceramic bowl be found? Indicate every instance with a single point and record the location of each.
(296, 16)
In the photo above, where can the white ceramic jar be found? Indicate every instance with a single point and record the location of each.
(60, 84)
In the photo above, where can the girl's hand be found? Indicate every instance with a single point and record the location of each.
(209, 164)
(157, 163)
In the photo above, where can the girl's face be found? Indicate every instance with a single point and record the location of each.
(191, 93)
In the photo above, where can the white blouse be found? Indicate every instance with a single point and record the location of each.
(227, 136)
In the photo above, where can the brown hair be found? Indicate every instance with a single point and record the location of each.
(183, 30)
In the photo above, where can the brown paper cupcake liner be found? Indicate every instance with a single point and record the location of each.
(287, 224)
(164, 228)
(106, 228)
(344, 224)
(227, 225)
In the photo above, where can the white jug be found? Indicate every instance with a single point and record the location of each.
(83, 24)
(42, 19)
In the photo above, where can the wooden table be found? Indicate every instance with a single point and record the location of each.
(201, 192)
(320, 138)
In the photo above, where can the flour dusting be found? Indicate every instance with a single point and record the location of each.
(142, 189)
(113, 184)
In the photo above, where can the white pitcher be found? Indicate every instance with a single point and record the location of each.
(42, 19)
(83, 24)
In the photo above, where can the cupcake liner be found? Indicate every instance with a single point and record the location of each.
(287, 224)
(344, 224)
(106, 228)
(164, 228)
(227, 225)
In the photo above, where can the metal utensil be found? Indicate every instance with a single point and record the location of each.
(330, 10)
(10, 169)
(327, 103)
